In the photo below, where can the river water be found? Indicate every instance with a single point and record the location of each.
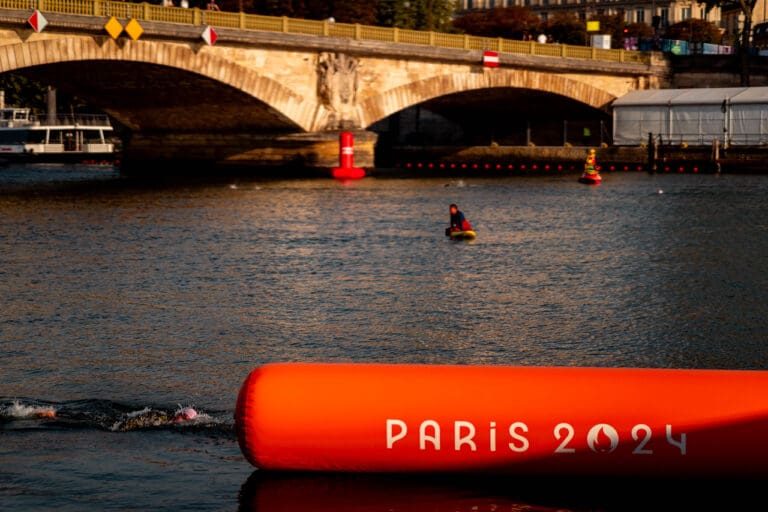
(121, 296)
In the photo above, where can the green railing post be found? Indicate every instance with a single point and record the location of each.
(395, 35)
(197, 17)
(357, 31)
(242, 20)
(285, 24)
(499, 44)
(466, 42)
(326, 28)
(431, 38)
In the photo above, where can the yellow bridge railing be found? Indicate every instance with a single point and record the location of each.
(242, 21)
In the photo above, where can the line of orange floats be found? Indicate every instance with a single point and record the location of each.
(419, 418)
(542, 167)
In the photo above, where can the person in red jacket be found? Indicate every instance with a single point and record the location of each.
(458, 221)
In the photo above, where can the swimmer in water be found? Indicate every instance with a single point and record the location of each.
(19, 410)
(185, 414)
(151, 418)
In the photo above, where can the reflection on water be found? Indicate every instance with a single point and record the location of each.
(379, 493)
(165, 293)
(302, 492)
(122, 283)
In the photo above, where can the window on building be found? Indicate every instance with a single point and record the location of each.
(664, 13)
(621, 14)
(639, 15)
(685, 13)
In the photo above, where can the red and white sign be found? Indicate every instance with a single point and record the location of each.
(209, 36)
(37, 21)
(490, 59)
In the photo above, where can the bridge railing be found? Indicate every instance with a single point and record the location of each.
(237, 20)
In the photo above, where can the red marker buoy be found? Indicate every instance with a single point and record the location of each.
(505, 420)
(346, 169)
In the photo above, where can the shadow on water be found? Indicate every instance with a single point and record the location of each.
(303, 492)
(44, 180)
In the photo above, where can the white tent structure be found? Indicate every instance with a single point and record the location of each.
(733, 115)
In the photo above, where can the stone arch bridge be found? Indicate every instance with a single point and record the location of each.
(260, 98)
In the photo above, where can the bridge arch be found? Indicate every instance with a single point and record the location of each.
(377, 107)
(279, 97)
(293, 110)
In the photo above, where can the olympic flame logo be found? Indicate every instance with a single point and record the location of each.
(603, 438)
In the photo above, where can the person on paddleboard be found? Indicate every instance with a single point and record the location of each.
(458, 221)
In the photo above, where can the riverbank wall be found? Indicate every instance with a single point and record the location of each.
(543, 159)
(294, 156)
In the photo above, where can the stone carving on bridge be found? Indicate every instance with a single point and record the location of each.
(337, 89)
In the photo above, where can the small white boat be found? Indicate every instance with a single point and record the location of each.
(27, 137)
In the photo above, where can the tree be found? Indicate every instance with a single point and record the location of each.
(391, 13)
(434, 15)
(745, 7)
(273, 7)
(694, 31)
(412, 14)
(566, 28)
(507, 22)
(20, 91)
(354, 11)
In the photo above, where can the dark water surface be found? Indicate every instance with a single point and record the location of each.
(121, 296)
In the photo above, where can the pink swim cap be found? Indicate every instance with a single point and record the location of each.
(188, 413)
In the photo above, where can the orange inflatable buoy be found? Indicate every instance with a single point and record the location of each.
(496, 419)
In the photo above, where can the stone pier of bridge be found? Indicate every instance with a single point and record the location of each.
(197, 152)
